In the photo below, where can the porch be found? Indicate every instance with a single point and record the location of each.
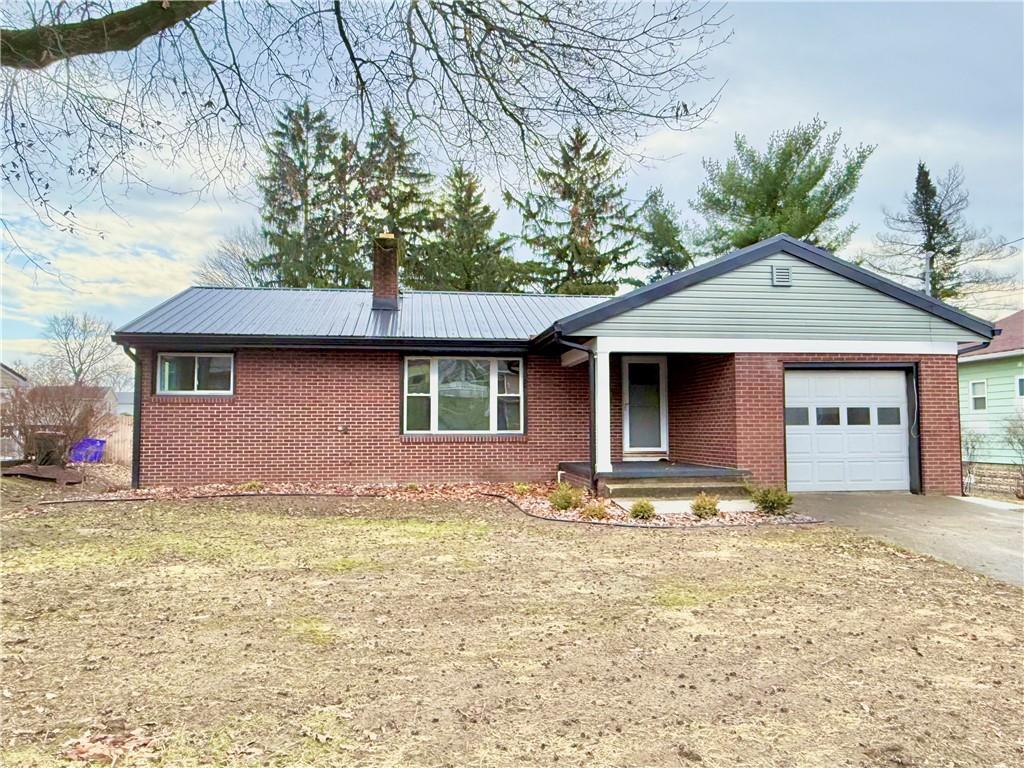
(657, 478)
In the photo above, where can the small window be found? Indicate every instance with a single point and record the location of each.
(195, 374)
(979, 395)
(463, 394)
(888, 417)
(797, 417)
(827, 417)
(1020, 386)
(858, 417)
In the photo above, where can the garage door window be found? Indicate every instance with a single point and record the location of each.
(888, 417)
(858, 417)
(827, 417)
(797, 417)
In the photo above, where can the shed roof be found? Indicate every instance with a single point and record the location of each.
(335, 314)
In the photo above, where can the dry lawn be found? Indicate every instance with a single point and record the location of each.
(336, 632)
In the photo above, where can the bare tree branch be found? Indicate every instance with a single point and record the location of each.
(40, 46)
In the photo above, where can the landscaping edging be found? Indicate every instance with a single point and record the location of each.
(528, 504)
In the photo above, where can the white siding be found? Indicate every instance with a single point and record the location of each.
(744, 304)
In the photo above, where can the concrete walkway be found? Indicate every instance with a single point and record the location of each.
(980, 537)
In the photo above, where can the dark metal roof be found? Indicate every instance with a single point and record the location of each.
(345, 316)
(773, 245)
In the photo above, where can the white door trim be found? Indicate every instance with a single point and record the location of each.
(645, 454)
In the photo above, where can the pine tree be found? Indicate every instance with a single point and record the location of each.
(398, 188)
(662, 235)
(799, 185)
(348, 212)
(579, 223)
(297, 194)
(464, 255)
(933, 227)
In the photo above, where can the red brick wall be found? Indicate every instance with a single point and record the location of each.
(334, 416)
(761, 432)
(702, 409)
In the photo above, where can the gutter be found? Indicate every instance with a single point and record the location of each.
(136, 416)
(558, 339)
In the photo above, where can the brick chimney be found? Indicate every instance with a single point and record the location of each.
(385, 272)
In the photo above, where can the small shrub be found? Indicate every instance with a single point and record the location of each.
(412, 487)
(705, 506)
(251, 486)
(565, 497)
(771, 500)
(642, 509)
(521, 489)
(595, 510)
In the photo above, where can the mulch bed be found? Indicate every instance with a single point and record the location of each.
(533, 502)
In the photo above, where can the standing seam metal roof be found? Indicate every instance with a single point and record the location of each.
(341, 313)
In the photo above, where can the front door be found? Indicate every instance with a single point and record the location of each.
(644, 408)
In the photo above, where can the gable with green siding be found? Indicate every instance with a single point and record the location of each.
(1002, 403)
(743, 303)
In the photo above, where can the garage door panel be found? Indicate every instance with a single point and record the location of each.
(830, 471)
(829, 444)
(857, 453)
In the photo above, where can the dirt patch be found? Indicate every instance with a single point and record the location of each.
(324, 632)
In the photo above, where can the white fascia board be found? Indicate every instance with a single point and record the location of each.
(668, 345)
(991, 356)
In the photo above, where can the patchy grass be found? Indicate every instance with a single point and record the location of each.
(325, 632)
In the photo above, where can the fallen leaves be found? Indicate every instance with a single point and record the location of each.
(112, 748)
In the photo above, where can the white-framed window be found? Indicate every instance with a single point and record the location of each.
(463, 395)
(979, 395)
(195, 373)
(1020, 388)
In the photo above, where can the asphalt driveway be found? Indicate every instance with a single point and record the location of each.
(973, 535)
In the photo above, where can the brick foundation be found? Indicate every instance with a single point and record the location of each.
(334, 416)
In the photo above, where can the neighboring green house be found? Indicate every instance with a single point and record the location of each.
(991, 397)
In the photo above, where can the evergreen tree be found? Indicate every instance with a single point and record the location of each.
(799, 185)
(298, 193)
(465, 255)
(662, 235)
(579, 223)
(348, 227)
(398, 188)
(932, 236)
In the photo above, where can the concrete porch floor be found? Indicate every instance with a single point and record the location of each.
(650, 470)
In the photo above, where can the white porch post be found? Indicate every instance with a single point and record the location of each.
(602, 412)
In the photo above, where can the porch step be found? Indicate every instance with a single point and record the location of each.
(675, 488)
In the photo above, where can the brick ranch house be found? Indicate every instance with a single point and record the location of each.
(779, 361)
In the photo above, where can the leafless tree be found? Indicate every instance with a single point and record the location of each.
(104, 91)
(59, 415)
(81, 348)
(233, 264)
(1015, 440)
(970, 441)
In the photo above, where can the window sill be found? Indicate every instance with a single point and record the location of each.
(438, 438)
(167, 398)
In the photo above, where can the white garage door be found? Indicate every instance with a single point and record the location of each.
(846, 431)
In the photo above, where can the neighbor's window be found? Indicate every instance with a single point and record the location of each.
(979, 395)
(195, 374)
(1020, 386)
(463, 394)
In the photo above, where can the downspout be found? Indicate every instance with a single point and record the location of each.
(558, 339)
(136, 416)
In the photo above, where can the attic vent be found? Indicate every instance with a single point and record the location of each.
(782, 276)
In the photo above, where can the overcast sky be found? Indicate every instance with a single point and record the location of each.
(939, 82)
